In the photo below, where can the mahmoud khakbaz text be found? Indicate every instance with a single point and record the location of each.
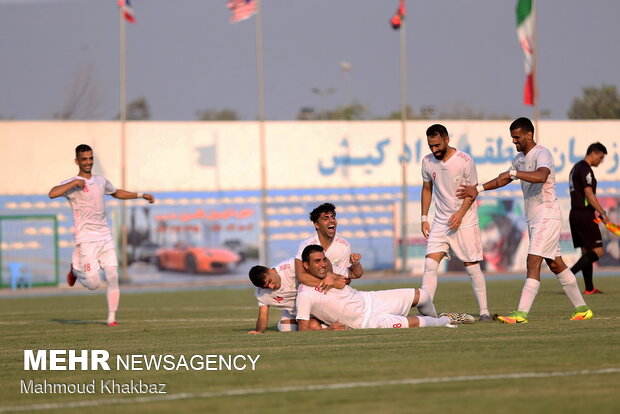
(100, 360)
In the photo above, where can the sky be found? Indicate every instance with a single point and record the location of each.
(184, 56)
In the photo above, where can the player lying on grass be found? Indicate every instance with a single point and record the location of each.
(278, 287)
(359, 310)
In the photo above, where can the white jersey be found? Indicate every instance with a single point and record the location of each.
(348, 306)
(339, 253)
(540, 198)
(284, 297)
(446, 178)
(89, 216)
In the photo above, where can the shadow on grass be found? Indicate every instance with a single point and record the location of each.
(76, 322)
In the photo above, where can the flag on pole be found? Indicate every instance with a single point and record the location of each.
(399, 16)
(526, 20)
(125, 6)
(241, 9)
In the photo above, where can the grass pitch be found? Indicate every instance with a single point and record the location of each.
(549, 365)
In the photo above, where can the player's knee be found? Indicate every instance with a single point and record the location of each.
(91, 281)
(287, 325)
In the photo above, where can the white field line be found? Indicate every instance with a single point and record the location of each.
(302, 388)
(136, 321)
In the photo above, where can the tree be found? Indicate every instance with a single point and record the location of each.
(462, 110)
(225, 114)
(409, 114)
(138, 110)
(355, 111)
(596, 103)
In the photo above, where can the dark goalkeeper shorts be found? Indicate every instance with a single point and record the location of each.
(585, 231)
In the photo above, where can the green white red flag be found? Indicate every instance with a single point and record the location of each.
(526, 21)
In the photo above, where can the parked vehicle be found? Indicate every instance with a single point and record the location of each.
(183, 257)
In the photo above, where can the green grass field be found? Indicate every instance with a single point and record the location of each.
(550, 365)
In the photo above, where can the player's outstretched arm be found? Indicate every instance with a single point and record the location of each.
(60, 189)
(538, 176)
(263, 319)
(472, 191)
(128, 195)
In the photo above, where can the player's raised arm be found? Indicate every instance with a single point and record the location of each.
(355, 270)
(60, 189)
(128, 195)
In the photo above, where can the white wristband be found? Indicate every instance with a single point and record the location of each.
(479, 188)
(513, 174)
(140, 195)
(423, 218)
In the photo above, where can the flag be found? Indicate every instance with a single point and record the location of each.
(125, 6)
(399, 16)
(526, 20)
(241, 9)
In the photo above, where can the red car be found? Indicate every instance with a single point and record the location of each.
(191, 259)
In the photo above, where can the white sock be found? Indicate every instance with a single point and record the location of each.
(429, 278)
(430, 322)
(425, 304)
(113, 293)
(479, 286)
(571, 289)
(528, 294)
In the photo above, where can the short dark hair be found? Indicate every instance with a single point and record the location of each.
(523, 123)
(323, 208)
(82, 148)
(257, 275)
(597, 147)
(308, 250)
(437, 129)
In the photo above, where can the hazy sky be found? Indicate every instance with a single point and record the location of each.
(184, 56)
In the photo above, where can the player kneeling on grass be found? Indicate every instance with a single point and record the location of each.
(275, 287)
(359, 310)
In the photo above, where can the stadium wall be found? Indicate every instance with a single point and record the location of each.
(207, 174)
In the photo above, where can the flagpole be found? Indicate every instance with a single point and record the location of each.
(264, 245)
(535, 71)
(403, 134)
(123, 116)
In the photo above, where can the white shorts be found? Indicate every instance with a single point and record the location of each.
(389, 308)
(545, 238)
(464, 241)
(288, 314)
(287, 322)
(89, 257)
